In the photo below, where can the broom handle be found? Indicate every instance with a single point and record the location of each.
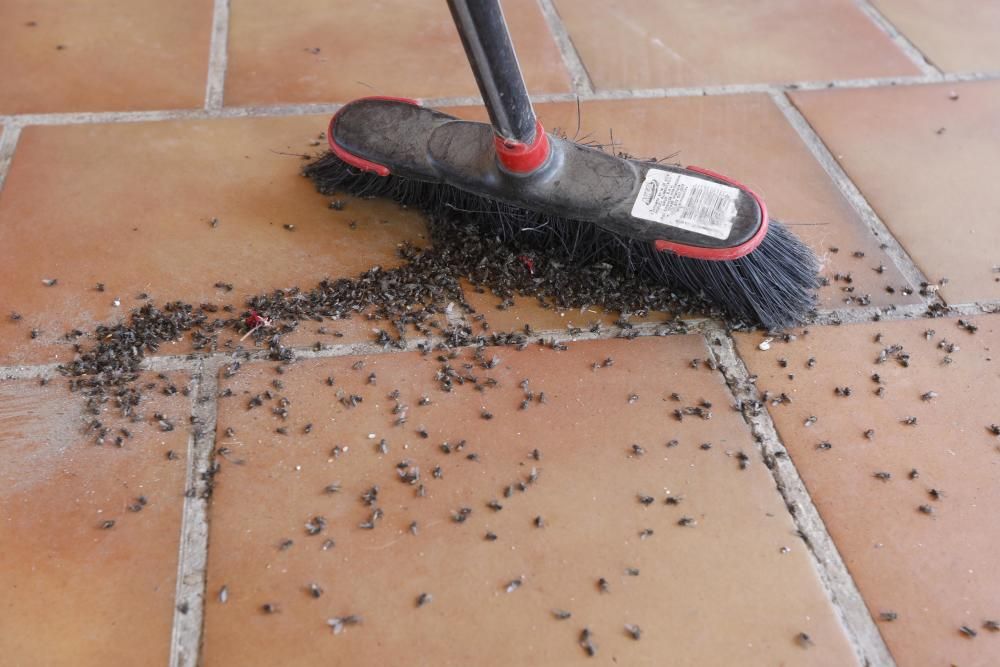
(484, 34)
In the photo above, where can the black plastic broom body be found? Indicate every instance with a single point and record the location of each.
(687, 227)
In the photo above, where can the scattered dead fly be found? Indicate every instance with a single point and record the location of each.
(486, 414)
(645, 533)
(883, 476)
(561, 614)
(869, 434)
(744, 459)
(285, 544)
(913, 474)
(269, 608)
(139, 503)
(994, 429)
(494, 505)
(637, 450)
(672, 443)
(224, 594)
(686, 521)
(587, 642)
(108, 524)
(967, 631)
(490, 536)
(842, 391)
(172, 455)
(315, 590)
(422, 432)
(514, 584)
(910, 421)
(539, 522)
(644, 499)
(968, 326)
(673, 500)
(461, 514)
(812, 419)
(632, 398)
(926, 509)
(824, 445)
(423, 599)
(633, 631)
(888, 616)
(992, 626)
(339, 623)
(50, 282)
(804, 640)
(328, 544)
(603, 586)
(705, 446)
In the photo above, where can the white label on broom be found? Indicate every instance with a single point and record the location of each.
(687, 202)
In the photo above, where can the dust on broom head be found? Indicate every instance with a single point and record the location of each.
(774, 286)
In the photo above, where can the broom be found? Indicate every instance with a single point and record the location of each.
(687, 228)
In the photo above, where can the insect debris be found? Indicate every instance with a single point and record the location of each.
(634, 631)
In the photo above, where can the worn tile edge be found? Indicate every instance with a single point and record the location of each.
(901, 41)
(844, 595)
(582, 83)
(218, 56)
(8, 144)
(186, 636)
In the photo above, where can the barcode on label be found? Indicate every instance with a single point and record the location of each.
(687, 202)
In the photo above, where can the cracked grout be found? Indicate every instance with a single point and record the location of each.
(8, 144)
(190, 595)
(836, 580)
(821, 152)
(281, 110)
(902, 42)
(218, 57)
(582, 83)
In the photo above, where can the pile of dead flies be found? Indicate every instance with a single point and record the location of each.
(412, 294)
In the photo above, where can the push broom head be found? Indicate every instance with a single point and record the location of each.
(689, 229)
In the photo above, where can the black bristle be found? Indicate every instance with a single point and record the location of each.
(773, 286)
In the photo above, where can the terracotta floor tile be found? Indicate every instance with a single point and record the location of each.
(936, 571)
(316, 53)
(74, 593)
(926, 163)
(643, 44)
(954, 37)
(137, 219)
(718, 592)
(745, 137)
(106, 55)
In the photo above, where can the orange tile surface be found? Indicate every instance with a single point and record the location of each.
(670, 43)
(925, 157)
(728, 570)
(76, 594)
(935, 571)
(318, 52)
(103, 55)
(954, 36)
(130, 205)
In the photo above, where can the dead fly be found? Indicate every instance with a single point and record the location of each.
(686, 521)
(328, 544)
(539, 522)
(315, 590)
(644, 499)
(967, 631)
(108, 524)
(926, 509)
(929, 396)
(842, 391)
(370, 497)
(269, 608)
(285, 544)
(645, 532)
(603, 586)
(910, 421)
(490, 536)
(372, 520)
(224, 594)
(338, 623)
(587, 642)
(632, 571)
(494, 505)
(811, 362)
(414, 528)
(812, 419)
(883, 476)
(705, 446)
(486, 414)
(50, 282)
(744, 459)
(637, 450)
(172, 455)
(422, 432)
(139, 503)
(382, 447)
(913, 474)
(424, 598)
(804, 640)
(968, 326)
(424, 400)
(561, 614)
(888, 616)
(825, 445)
(514, 584)
(935, 494)
(994, 429)
(632, 398)
(673, 500)
(634, 631)
(992, 626)
(869, 434)
(460, 515)
(437, 472)
(672, 443)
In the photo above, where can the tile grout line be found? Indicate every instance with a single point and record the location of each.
(901, 41)
(861, 630)
(893, 248)
(832, 317)
(283, 110)
(189, 609)
(218, 56)
(582, 83)
(8, 144)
